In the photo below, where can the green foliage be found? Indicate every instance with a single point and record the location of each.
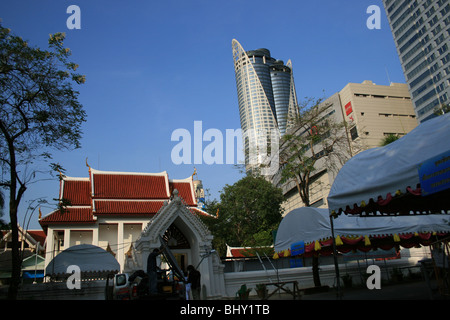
(315, 135)
(247, 213)
(389, 139)
(39, 111)
(442, 109)
(39, 107)
(4, 225)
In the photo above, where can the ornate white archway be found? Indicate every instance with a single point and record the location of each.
(200, 251)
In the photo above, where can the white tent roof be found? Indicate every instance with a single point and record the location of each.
(309, 224)
(88, 257)
(379, 171)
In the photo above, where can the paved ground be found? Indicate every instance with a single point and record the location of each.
(406, 291)
(417, 290)
(408, 300)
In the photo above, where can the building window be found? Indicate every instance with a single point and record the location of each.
(354, 133)
(443, 49)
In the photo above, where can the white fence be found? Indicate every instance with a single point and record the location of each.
(89, 290)
(355, 269)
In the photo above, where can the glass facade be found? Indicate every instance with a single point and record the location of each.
(281, 78)
(263, 84)
(421, 30)
(266, 94)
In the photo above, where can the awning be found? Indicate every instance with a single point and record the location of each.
(32, 275)
(311, 226)
(410, 175)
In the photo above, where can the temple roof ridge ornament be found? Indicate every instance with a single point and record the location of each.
(188, 179)
(96, 171)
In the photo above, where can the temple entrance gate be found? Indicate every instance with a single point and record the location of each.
(189, 240)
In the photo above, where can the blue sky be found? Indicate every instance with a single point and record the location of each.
(155, 66)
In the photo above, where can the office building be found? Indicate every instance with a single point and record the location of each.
(371, 113)
(421, 34)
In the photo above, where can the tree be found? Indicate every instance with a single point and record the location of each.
(315, 144)
(442, 109)
(3, 224)
(247, 213)
(2, 203)
(39, 112)
(389, 139)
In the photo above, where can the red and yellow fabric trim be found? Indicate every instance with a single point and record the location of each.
(364, 243)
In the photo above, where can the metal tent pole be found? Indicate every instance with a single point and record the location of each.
(336, 265)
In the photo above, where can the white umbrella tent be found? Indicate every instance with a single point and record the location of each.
(398, 186)
(89, 258)
(312, 227)
(408, 176)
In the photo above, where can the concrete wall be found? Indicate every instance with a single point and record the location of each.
(304, 278)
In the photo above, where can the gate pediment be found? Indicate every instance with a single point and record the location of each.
(174, 212)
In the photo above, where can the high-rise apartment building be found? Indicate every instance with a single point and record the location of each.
(266, 93)
(421, 34)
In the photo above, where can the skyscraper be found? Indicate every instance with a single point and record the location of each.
(266, 94)
(421, 34)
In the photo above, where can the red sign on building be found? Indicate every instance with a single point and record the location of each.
(348, 108)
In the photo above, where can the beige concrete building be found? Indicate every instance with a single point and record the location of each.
(375, 111)
(371, 113)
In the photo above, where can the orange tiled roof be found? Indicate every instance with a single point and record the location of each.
(115, 193)
(38, 235)
(199, 211)
(127, 207)
(243, 252)
(70, 215)
(77, 191)
(184, 191)
(125, 186)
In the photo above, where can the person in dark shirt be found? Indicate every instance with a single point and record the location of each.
(194, 280)
(152, 271)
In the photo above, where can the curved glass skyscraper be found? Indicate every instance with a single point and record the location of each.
(266, 93)
(284, 94)
(266, 90)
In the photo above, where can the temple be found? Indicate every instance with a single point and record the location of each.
(125, 213)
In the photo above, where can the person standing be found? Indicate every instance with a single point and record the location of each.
(194, 281)
(152, 271)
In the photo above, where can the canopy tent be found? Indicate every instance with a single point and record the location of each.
(410, 175)
(312, 227)
(88, 258)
